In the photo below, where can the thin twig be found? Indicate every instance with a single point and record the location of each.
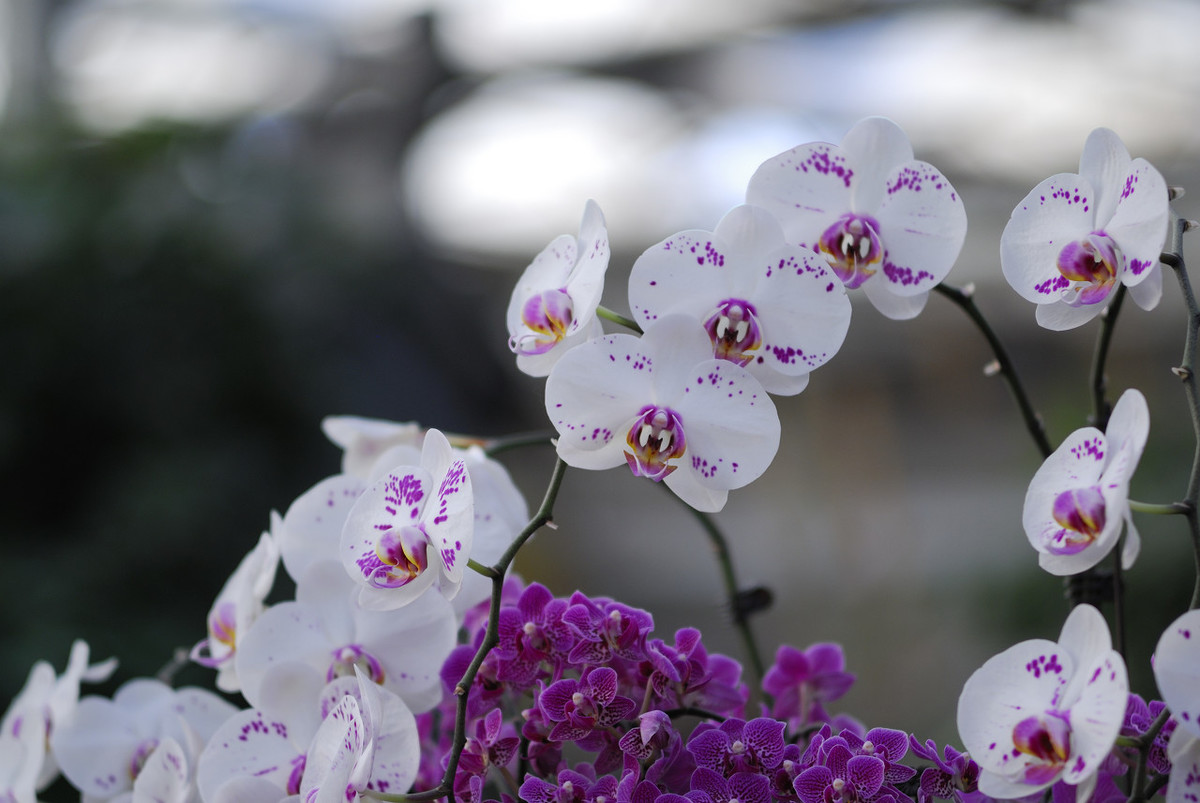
(965, 299)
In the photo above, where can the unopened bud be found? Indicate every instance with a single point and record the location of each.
(992, 368)
(1182, 372)
(1174, 193)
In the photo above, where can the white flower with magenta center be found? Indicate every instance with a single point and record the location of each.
(665, 407)
(1079, 498)
(1041, 711)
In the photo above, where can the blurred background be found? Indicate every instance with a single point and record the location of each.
(221, 220)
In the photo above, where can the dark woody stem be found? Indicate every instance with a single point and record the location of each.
(740, 614)
(1186, 371)
(1092, 586)
(964, 298)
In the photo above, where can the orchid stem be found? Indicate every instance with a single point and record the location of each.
(1169, 509)
(1173, 258)
(965, 299)
(495, 446)
(616, 317)
(725, 562)
(1101, 409)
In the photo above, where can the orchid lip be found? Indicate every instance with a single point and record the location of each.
(1082, 515)
(655, 438)
(1045, 738)
(852, 248)
(734, 331)
(347, 657)
(548, 316)
(399, 557)
(1093, 266)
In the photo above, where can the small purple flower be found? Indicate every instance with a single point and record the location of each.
(493, 745)
(953, 777)
(1139, 715)
(800, 681)
(574, 786)
(738, 746)
(686, 675)
(606, 628)
(532, 634)
(842, 778)
(740, 787)
(886, 744)
(579, 706)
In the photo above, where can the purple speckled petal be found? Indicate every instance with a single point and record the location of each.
(1020, 682)
(594, 393)
(923, 224)
(449, 515)
(248, 744)
(806, 188)
(1140, 222)
(164, 776)
(731, 424)
(1097, 715)
(333, 754)
(1055, 212)
(1184, 751)
(1177, 670)
(397, 745)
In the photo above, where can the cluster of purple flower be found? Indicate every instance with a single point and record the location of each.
(579, 702)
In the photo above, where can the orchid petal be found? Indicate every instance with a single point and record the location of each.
(363, 440)
(313, 523)
(248, 744)
(1140, 221)
(591, 424)
(1056, 212)
(1148, 292)
(892, 305)
(875, 147)
(1184, 752)
(164, 777)
(449, 514)
(923, 224)
(1105, 163)
(1177, 670)
(807, 188)
(1020, 682)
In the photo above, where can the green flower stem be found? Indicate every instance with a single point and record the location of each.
(1173, 258)
(479, 568)
(1169, 509)
(725, 562)
(616, 317)
(491, 637)
(965, 299)
(495, 446)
